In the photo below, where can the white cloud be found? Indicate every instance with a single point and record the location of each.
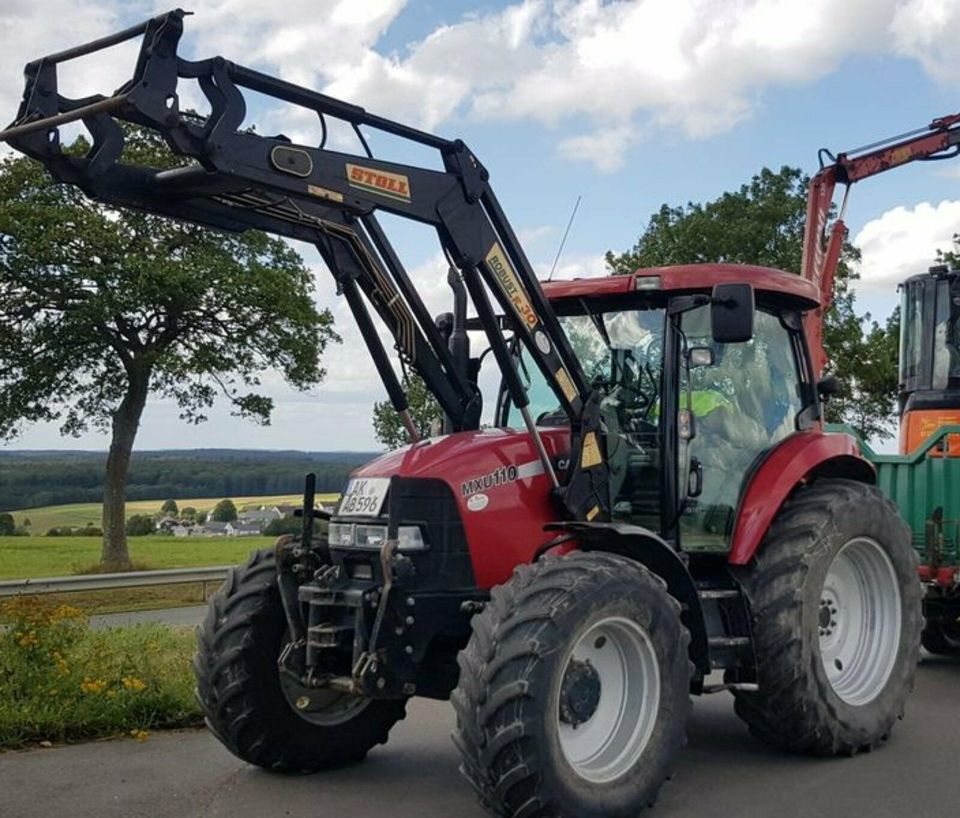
(928, 31)
(611, 70)
(903, 242)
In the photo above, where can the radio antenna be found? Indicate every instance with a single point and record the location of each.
(563, 241)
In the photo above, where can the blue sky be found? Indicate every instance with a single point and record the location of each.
(628, 105)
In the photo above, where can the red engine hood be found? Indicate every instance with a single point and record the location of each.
(502, 492)
(453, 457)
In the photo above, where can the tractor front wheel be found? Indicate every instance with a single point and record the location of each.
(836, 618)
(574, 690)
(259, 714)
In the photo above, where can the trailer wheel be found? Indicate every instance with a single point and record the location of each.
(836, 619)
(258, 715)
(574, 690)
(941, 640)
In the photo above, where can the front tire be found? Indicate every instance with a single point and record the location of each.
(574, 690)
(836, 617)
(246, 704)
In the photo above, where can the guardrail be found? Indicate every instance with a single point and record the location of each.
(101, 582)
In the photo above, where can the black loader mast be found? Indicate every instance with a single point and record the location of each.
(235, 180)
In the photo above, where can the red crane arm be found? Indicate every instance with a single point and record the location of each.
(822, 242)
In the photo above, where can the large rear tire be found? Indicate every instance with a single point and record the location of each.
(259, 717)
(574, 690)
(836, 618)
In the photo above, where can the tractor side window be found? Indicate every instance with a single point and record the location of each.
(745, 402)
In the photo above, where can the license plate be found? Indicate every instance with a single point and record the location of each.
(364, 497)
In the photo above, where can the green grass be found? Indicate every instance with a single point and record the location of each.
(22, 557)
(61, 681)
(44, 518)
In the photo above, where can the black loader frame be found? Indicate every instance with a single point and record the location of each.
(235, 179)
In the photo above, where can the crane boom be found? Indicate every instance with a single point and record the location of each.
(823, 242)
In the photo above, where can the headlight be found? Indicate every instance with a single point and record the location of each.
(371, 537)
(340, 534)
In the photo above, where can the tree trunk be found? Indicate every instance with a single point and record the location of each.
(126, 420)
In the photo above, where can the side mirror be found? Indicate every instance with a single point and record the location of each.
(699, 356)
(829, 386)
(731, 313)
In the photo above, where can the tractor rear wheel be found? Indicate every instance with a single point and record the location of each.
(574, 690)
(836, 619)
(259, 714)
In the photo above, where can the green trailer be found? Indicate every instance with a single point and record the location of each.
(925, 485)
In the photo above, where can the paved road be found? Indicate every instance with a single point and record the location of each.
(181, 617)
(723, 773)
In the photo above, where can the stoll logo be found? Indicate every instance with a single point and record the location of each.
(389, 185)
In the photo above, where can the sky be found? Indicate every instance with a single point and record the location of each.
(627, 105)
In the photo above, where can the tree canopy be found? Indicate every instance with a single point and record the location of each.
(424, 409)
(763, 223)
(100, 308)
(224, 512)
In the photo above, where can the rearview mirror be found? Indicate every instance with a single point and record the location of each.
(731, 313)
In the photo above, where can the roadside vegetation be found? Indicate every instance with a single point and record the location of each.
(62, 681)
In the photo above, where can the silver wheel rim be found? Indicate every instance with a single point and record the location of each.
(859, 621)
(610, 741)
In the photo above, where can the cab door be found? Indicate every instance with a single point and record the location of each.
(745, 398)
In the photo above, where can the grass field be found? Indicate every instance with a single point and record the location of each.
(44, 518)
(22, 557)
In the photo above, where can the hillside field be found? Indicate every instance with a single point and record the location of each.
(44, 518)
(22, 557)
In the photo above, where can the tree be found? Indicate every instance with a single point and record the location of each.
(7, 526)
(139, 525)
(424, 410)
(169, 507)
(763, 223)
(224, 512)
(188, 513)
(100, 308)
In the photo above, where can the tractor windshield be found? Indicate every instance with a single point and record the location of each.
(622, 357)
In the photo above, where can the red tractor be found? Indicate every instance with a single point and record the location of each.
(654, 498)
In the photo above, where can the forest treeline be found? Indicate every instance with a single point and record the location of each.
(42, 478)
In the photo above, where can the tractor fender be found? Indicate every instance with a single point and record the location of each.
(654, 553)
(797, 460)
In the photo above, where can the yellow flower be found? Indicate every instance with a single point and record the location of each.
(29, 639)
(94, 686)
(140, 735)
(133, 683)
(111, 694)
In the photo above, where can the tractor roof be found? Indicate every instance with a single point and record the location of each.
(787, 288)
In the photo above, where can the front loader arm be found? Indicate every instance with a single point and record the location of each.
(823, 242)
(233, 179)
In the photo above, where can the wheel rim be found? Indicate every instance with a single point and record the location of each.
(320, 706)
(859, 621)
(609, 699)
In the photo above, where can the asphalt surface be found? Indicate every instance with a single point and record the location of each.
(179, 617)
(723, 772)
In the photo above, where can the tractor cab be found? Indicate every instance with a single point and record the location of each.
(688, 412)
(930, 358)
